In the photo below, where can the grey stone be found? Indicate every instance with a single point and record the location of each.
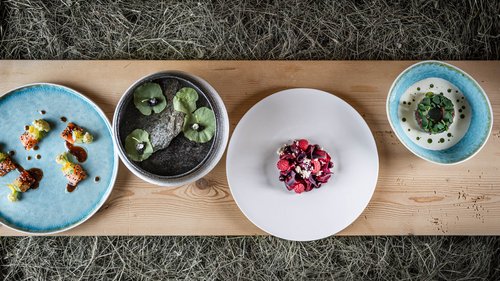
(163, 127)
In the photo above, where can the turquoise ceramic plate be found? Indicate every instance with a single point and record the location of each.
(50, 208)
(473, 119)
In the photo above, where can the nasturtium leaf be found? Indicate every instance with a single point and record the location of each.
(185, 100)
(138, 146)
(200, 126)
(149, 97)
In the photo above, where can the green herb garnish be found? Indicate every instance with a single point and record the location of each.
(148, 98)
(199, 126)
(185, 100)
(138, 146)
(435, 113)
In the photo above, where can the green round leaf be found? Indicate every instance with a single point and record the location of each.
(131, 141)
(200, 126)
(147, 92)
(185, 100)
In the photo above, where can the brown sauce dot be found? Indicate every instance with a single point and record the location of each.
(28, 158)
(63, 119)
(96, 179)
(26, 127)
(12, 153)
(42, 112)
(36, 147)
(38, 156)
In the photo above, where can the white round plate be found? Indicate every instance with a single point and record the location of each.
(323, 119)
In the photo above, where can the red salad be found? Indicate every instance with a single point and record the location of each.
(304, 166)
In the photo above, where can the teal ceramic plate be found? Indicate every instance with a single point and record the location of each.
(473, 119)
(50, 208)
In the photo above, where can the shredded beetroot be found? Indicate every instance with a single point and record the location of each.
(304, 166)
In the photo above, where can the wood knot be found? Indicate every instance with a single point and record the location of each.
(202, 184)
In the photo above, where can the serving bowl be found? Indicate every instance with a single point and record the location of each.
(182, 161)
(473, 115)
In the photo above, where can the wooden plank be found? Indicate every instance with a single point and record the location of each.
(412, 196)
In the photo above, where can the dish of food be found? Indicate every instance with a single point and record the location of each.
(34, 133)
(439, 112)
(6, 164)
(252, 164)
(196, 124)
(171, 128)
(304, 166)
(38, 195)
(434, 114)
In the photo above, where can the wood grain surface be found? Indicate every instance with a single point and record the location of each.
(413, 197)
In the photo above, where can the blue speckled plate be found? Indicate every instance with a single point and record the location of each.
(481, 121)
(50, 208)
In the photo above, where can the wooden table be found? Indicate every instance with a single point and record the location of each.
(413, 197)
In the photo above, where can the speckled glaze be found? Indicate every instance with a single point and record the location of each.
(212, 151)
(50, 209)
(481, 113)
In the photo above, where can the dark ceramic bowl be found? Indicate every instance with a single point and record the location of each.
(183, 161)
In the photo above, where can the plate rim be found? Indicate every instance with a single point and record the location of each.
(372, 139)
(115, 159)
(467, 75)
